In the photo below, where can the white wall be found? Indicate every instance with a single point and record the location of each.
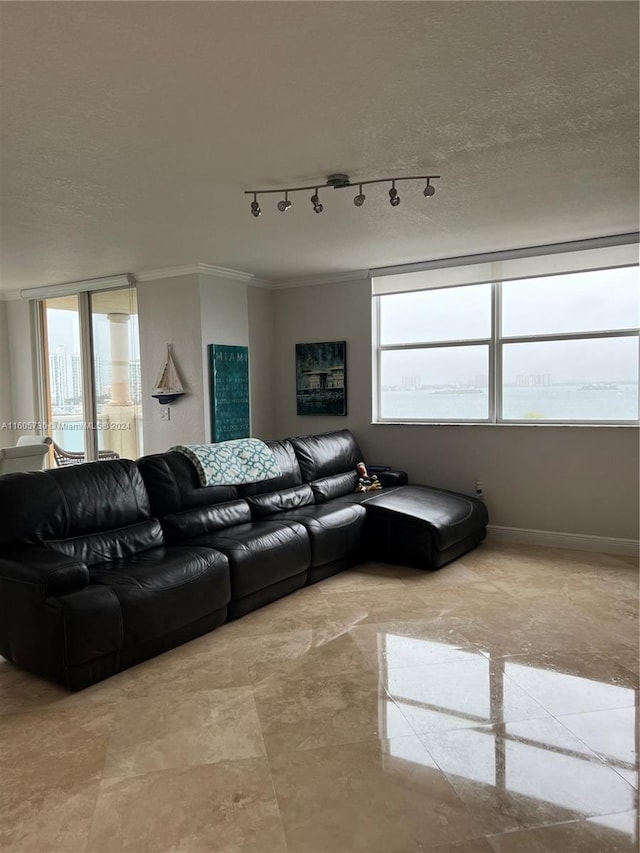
(223, 320)
(191, 312)
(169, 313)
(6, 406)
(24, 392)
(261, 361)
(581, 480)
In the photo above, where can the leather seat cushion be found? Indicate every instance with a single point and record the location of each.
(449, 516)
(162, 590)
(335, 531)
(261, 553)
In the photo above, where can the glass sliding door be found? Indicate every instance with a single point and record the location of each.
(65, 416)
(116, 371)
(92, 393)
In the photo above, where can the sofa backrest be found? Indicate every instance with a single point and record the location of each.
(288, 464)
(65, 503)
(173, 485)
(328, 462)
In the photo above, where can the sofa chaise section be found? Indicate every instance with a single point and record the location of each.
(413, 525)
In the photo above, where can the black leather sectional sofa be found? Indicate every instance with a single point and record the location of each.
(106, 564)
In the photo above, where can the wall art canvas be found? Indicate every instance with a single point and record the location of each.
(321, 378)
(229, 384)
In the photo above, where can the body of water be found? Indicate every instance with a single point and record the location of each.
(552, 402)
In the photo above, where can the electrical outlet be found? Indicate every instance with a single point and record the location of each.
(479, 490)
(165, 413)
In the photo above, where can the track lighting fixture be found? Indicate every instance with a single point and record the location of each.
(315, 201)
(255, 207)
(285, 204)
(338, 182)
(429, 190)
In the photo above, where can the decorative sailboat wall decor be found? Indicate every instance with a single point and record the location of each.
(168, 387)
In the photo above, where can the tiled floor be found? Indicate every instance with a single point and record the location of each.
(489, 707)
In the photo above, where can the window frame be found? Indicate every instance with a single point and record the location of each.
(496, 345)
(87, 353)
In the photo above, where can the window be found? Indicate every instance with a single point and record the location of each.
(91, 375)
(552, 348)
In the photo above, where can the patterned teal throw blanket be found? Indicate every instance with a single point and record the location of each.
(229, 463)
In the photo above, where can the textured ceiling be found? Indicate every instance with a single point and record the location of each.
(130, 130)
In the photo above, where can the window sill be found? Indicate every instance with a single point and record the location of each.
(614, 424)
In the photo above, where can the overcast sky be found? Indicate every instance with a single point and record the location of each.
(569, 303)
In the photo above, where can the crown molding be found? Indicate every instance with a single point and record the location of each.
(313, 280)
(70, 288)
(10, 296)
(222, 272)
(167, 272)
(202, 269)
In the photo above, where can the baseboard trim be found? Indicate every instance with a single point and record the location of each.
(552, 539)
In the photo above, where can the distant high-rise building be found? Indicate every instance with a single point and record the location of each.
(410, 383)
(533, 380)
(135, 381)
(57, 378)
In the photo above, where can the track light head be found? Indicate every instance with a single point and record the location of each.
(429, 190)
(318, 207)
(360, 199)
(394, 198)
(284, 205)
(255, 208)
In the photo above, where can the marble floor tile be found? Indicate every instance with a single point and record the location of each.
(207, 663)
(613, 735)
(569, 683)
(302, 654)
(50, 766)
(369, 797)
(452, 575)
(22, 691)
(528, 774)
(612, 834)
(229, 807)
(178, 732)
(377, 605)
(392, 645)
(300, 714)
(368, 576)
(537, 627)
(475, 845)
(54, 819)
(624, 654)
(458, 694)
(486, 707)
(304, 609)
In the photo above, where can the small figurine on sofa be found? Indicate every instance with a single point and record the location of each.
(366, 482)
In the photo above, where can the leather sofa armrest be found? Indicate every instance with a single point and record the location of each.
(391, 478)
(54, 572)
